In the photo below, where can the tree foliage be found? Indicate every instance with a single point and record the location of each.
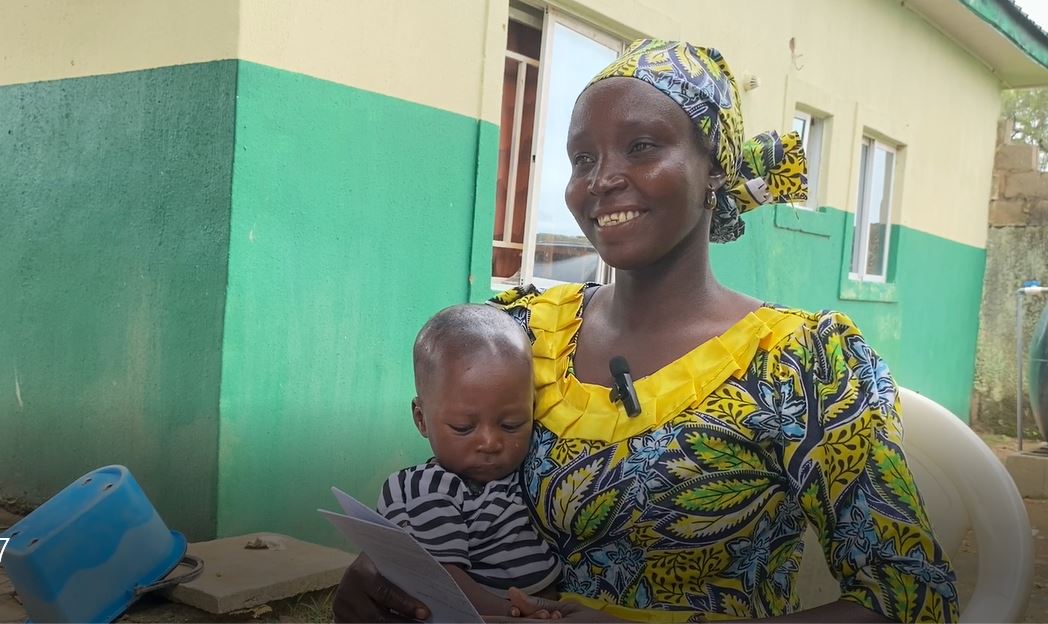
(1028, 110)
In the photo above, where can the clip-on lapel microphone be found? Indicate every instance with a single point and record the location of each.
(622, 390)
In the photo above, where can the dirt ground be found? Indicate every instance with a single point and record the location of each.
(316, 606)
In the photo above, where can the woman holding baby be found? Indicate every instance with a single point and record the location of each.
(755, 420)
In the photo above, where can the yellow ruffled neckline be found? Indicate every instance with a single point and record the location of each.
(573, 409)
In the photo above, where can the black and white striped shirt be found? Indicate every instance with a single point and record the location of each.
(486, 531)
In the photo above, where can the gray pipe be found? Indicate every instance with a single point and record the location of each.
(1020, 297)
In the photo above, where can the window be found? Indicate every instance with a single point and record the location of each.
(520, 84)
(870, 243)
(811, 130)
(549, 60)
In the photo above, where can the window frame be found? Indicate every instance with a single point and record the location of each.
(506, 238)
(551, 17)
(813, 142)
(861, 231)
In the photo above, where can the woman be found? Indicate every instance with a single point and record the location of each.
(755, 420)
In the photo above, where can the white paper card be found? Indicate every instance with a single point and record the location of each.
(402, 560)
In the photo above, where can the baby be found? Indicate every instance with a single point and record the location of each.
(474, 404)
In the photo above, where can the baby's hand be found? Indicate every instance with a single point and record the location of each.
(532, 607)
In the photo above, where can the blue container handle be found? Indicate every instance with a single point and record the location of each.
(198, 567)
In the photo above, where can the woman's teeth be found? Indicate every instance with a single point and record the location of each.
(616, 218)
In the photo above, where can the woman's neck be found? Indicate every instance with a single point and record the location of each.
(679, 289)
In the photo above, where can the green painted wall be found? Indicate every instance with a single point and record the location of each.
(924, 325)
(351, 225)
(114, 200)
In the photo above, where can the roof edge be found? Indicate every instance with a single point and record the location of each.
(1009, 20)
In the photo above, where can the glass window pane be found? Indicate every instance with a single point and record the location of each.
(800, 126)
(860, 210)
(562, 253)
(813, 152)
(879, 213)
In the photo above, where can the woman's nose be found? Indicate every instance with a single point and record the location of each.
(606, 177)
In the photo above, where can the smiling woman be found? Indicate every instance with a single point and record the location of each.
(756, 421)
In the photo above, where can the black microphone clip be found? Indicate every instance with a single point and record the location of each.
(622, 389)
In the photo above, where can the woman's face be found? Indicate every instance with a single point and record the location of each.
(638, 175)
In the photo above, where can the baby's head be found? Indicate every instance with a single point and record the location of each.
(474, 391)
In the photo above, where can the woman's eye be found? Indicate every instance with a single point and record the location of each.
(461, 429)
(641, 146)
(581, 159)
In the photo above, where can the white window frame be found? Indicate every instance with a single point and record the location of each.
(813, 142)
(861, 229)
(605, 274)
(506, 238)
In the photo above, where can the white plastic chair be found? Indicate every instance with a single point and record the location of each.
(964, 486)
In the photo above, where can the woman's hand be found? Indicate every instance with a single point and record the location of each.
(534, 607)
(364, 595)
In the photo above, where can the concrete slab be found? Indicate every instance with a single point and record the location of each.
(1030, 473)
(239, 577)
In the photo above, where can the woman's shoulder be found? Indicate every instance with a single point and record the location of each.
(530, 295)
(822, 322)
(826, 343)
(552, 310)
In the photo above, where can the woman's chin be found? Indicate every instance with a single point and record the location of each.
(624, 259)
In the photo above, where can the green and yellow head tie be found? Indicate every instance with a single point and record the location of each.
(766, 169)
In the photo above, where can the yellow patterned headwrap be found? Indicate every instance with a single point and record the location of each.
(767, 168)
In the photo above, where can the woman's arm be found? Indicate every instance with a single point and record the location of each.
(842, 453)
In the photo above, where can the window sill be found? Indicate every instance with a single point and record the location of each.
(804, 220)
(855, 290)
(499, 285)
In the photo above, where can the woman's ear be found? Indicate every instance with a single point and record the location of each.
(416, 415)
(717, 177)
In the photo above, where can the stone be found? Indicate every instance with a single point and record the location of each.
(1007, 212)
(1030, 184)
(1016, 157)
(1030, 473)
(1005, 129)
(237, 578)
(1038, 213)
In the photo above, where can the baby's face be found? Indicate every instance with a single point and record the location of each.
(477, 415)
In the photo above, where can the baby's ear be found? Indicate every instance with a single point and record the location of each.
(416, 415)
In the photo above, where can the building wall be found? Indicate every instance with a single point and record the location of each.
(352, 223)
(343, 166)
(361, 161)
(115, 195)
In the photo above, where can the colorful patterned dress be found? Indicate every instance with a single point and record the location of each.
(697, 507)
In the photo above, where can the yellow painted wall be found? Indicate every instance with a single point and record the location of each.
(880, 67)
(431, 52)
(53, 39)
